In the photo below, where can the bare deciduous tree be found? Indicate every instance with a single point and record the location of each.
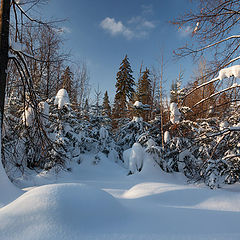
(214, 24)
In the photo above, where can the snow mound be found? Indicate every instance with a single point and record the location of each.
(59, 211)
(149, 189)
(228, 72)
(226, 201)
(61, 98)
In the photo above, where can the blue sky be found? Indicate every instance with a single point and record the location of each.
(102, 32)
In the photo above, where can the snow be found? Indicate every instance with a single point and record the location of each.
(73, 206)
(17, 46)
(101, 202)
(126, 156)
(44, 109)
(150, 143)
(8, 192)
(137, 119)
(230, 71)
(138, 104)
(167, 137)
(211, 110)
(103, 133)
(28, 116)
(223, 125)
(136, 157)
(62, 98)
(175, 115)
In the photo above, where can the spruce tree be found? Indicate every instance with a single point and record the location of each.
(144, 92)
(174, 92)
(85, 110)
(124, 90)
(106, 106)
(67, 82)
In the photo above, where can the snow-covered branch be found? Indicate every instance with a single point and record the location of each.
(216, 94)
(25, 14)
(202, 85)
(216, 43)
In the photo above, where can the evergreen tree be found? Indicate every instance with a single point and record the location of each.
(174, 92)
(106, 106)
(177, 92)
(144, 92)
(85, 111)
(67, 82)
(124, 90)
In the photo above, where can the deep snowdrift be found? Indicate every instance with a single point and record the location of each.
(60, 211)
(107, 204)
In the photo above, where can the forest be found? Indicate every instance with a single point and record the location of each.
(52, 121)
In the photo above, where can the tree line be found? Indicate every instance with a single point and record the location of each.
(49, 121)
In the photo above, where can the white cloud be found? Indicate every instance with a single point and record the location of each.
(141, 23)
(136, 27)
(148, 24)
(116, 28)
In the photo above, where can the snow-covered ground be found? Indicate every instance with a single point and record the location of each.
(102, 202)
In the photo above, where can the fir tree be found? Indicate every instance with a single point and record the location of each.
(85, 111)
(106, 106)
(174, 93)
(144, 91)
(67, 82)
(124, 90)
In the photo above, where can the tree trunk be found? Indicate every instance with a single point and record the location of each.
(8, 192)
(4, 47)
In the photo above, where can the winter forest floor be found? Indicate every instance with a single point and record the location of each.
(102, 202)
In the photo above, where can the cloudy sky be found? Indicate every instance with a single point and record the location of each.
(102, 32)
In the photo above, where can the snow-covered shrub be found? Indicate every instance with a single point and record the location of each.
(26, 142)
(213, 172)
(134, 158)
(127, 135)
(176, 155)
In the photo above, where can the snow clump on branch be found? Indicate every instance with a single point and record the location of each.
(229, 72)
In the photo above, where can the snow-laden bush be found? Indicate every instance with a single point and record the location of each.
(127, 135)
(213, 172)
(133, 158)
